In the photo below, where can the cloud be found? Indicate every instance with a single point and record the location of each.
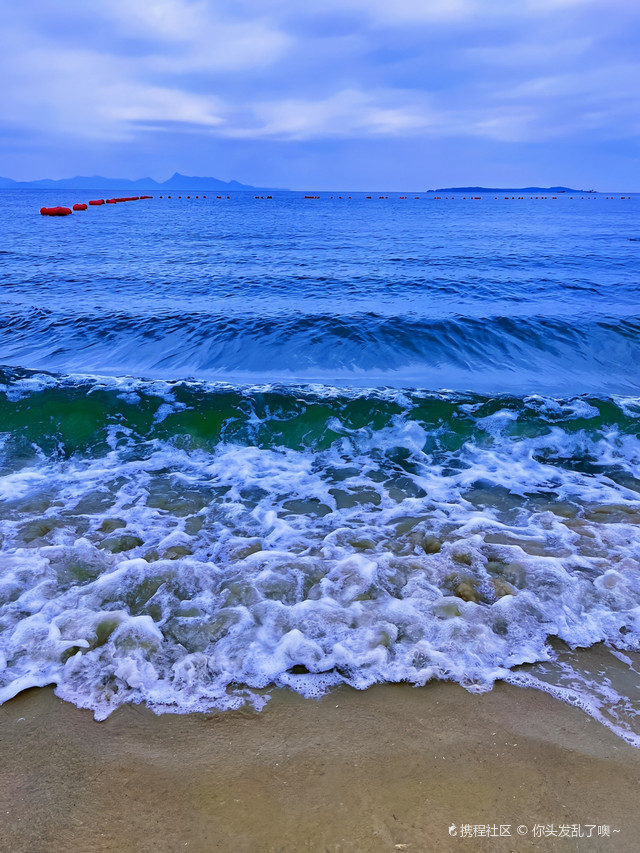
(120, 70)
(411, 11)
(345, 113)
(192, 35)
(85, 95)
(175, 35)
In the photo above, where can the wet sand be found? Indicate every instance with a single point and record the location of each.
(387, 769)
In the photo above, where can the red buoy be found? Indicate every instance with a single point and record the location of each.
(96, 201)
(55, 211)
(79, 206)
(111, 201)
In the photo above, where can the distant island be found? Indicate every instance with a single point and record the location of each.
(509, 190)
(97, 182)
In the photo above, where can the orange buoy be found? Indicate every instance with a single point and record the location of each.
(55, 211)
(96, 201)
(79, 206)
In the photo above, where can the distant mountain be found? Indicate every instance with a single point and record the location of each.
(97, 182)
(509, 190)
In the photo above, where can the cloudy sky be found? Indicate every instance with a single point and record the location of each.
(324, 94)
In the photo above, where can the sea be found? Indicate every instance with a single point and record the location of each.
(252, 441)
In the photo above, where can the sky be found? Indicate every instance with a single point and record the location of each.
(324, 94)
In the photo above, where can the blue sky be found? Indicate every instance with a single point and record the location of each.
(325, 94)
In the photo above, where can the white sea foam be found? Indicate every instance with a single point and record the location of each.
(189, 576)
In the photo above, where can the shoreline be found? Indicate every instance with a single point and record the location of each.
(353, 771)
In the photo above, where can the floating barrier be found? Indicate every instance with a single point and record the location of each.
(55, 211)
(94, 202)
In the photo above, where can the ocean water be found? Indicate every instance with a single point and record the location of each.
(254, 443)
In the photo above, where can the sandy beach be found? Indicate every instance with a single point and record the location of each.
(390, 768)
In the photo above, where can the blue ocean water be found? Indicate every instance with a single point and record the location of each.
(490, 296)
(255, 442)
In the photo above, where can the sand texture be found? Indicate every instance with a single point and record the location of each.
(390, 768)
